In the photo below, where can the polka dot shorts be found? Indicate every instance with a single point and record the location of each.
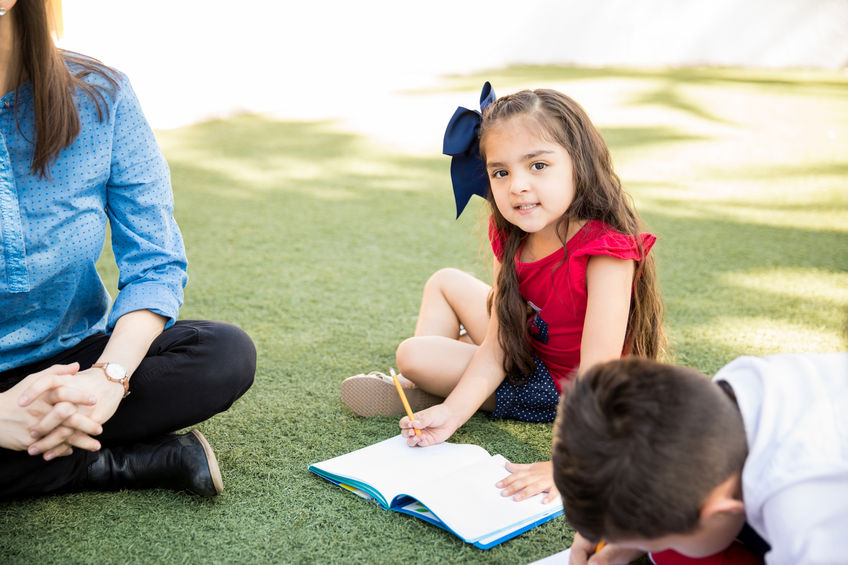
(534, 401)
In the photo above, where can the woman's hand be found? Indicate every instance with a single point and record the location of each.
(583, 553)
(129, 342)
(71, 425)
(435, 424)
(529, 480)
(55, 406)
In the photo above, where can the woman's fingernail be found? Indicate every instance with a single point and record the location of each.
(33, 433)
(22, 400)
(32, 450)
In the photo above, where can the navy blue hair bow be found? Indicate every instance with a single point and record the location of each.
(468, 172)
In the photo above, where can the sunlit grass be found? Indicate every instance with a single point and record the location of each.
(317, 240)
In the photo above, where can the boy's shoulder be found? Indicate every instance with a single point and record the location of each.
(792, 367)
(785, 385)
(792, 406)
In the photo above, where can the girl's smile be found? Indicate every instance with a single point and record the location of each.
(525, 208)
(531, 177)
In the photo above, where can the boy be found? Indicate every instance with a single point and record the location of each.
(652, 457)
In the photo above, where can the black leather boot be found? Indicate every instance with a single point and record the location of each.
(178, 462)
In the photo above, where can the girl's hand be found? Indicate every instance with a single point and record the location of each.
(435, 424)
(583, 553)
(56, 403)
(529, 480)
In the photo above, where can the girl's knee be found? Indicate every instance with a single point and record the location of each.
(408, 357)
(444, 278)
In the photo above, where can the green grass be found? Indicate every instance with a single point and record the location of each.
(317, 241)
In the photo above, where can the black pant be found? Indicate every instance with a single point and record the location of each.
(193, 370)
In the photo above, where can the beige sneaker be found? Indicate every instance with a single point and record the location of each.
(375, 394)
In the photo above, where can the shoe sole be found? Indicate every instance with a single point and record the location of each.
(371, 396)
(214, 470)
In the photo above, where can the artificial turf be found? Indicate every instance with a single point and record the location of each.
(317, 239)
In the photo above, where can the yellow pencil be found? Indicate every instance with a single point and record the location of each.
(403, 399)
(600, 546)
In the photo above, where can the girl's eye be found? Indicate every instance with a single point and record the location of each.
(499, 174)
(538, 166)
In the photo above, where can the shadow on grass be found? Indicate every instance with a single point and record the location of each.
(303, 232)
(696, 255)
(318, 244)
(670, 81)
(621, 139)
(669, 96)
(826, 168)
(800, 81)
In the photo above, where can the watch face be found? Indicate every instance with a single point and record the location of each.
(115, 371)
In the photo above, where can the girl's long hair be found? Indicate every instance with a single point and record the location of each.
(598, 196)
(57, 122)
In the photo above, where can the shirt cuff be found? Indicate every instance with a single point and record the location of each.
(158, 298)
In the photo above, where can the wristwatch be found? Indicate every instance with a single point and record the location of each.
(117, 374)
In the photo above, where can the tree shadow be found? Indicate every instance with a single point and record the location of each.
(698, 260)
(806, 82)
(669, 83)
(318, 244)
(668, 95)
(632, 137)
(343, 231)
(817, 169)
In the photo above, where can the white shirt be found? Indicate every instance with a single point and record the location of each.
(795, 479)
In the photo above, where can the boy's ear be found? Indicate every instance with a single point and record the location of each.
(722, 505)
(723, 499)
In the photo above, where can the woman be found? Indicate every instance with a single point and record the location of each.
(89, 394)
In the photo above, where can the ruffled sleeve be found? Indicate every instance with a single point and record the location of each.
(597, 238)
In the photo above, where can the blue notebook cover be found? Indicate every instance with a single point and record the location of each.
(449, 485)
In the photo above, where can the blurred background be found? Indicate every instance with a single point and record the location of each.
(191, 60)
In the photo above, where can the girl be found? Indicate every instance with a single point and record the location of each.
(89, 393)
(574, 281)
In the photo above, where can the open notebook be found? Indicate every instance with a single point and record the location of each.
(450, 485)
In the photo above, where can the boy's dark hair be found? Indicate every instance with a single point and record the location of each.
(639, 444)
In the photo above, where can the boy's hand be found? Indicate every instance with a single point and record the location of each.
(529, 480)
(583, 553)
(435, 424)
(581, 550)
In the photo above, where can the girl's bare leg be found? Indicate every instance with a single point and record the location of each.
(435, 358)
(452, 297)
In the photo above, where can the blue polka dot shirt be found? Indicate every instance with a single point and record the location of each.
(52, 230)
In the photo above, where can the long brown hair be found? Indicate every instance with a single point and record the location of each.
(598, 196)
(57, 122)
